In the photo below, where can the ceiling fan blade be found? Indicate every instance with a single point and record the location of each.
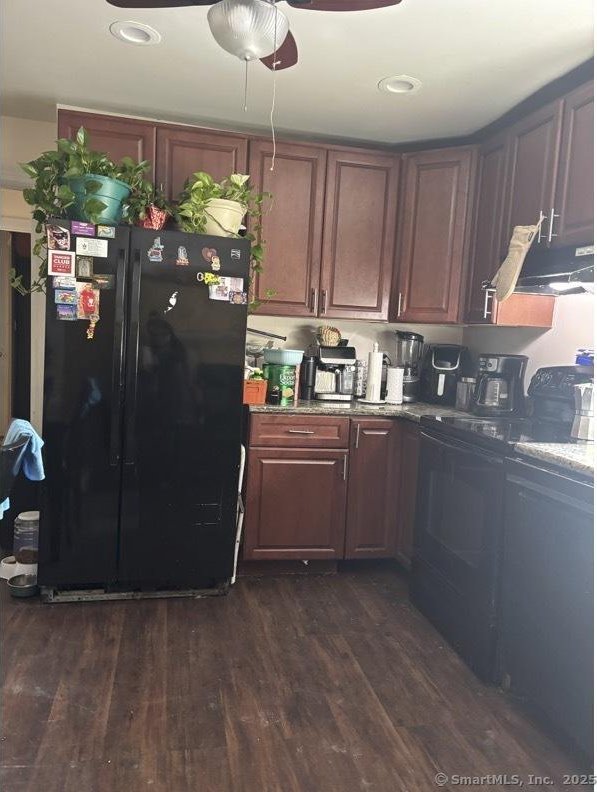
(341, 5)
(285, 56)
(159, 3)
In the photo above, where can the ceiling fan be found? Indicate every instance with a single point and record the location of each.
(251, 29)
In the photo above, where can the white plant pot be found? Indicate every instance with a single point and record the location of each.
(224, 218)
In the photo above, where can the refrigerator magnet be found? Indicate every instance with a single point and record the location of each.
(223, 289)
(103, 281)
(92, 247)
(65, 297)
(107, 232)
(208, 254)
(155, 251)
(235, 254)
(171, 302)
(238, 297)
(84, 267)
(87, 301)
(64, 282)
(182, 259)
(58, 237)
(82, 229)
(67, 313)
(61, 263)
(208, 278)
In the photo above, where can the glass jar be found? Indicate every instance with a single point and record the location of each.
(26, 537)
(464, 393)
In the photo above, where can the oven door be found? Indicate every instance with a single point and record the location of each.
(457, 552)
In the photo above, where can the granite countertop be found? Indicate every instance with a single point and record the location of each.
(411, 412)
(578, 457)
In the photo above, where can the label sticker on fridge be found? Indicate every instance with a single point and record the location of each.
(155, 251)
(182, 259)
(58, 237)
(64, 282)
(82, 229)
(65, 297)
(103, 281)
(107, 232)
(67, 313)
(84, 267)
(224, 288)
(60, 263)
(92, 247)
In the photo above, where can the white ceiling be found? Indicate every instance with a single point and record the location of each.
(476, 59)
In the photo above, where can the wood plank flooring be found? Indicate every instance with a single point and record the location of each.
(295, 684)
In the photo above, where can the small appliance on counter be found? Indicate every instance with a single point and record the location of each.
(442, 366)
(409, 348)
(552, 401)
(499, 389)
(334, 373)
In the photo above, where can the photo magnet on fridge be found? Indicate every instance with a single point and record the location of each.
(103, 281)
(107, 232)
(88, 300)
(92, 247)
(84, 267)
(65, 297)
(60, 263)
(67, 313)
(64, 282)
(82, 229)
(58, 237)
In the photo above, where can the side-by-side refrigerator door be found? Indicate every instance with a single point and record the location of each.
(82, 417)
(183, 411)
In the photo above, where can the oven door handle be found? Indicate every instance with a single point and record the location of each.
(464, 448)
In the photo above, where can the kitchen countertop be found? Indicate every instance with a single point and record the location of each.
(578, 457)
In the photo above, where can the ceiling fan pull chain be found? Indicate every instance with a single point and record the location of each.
(271, 115)
(246, 84)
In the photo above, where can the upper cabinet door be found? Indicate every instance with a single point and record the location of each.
(434, 220)
(292, 226)
(487, 226)
(359, 233)
(532, 168)
(117, 137)
(574, 194)
(181, 151)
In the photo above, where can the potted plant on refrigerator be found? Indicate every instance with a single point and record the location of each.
(147, 207)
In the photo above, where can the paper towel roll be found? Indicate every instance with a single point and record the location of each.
(374, 372)
(395, 385)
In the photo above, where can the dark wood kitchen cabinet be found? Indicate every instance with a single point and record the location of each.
(295, 504)
(292, 226)
(532, 167)
(485, 257)
(372, 488)
(573, 224)
(359, 234)
(181, 151)
(435, 218)
(118, 137)
(408, 468)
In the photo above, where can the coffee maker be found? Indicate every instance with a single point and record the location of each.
(334, 373)
(409, 348)
(499, 389)
(442, 366)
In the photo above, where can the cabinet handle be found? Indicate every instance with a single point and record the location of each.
(312, 307)
(550, 233)
(324, 300)
(301, 431)
(344, 467)
(356, 440)
(542, 217)
(399, 312)
(487, 308)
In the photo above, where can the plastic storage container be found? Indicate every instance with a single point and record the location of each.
(26, 537)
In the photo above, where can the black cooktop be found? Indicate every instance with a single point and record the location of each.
(496, 433)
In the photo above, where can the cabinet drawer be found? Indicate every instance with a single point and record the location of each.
(299, 431)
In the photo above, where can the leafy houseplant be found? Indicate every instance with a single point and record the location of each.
(79, 183)
(198, 213)
(147, 206)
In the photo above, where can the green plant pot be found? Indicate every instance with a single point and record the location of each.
(113, 193)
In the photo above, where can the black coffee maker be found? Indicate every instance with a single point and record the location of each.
(499, 389)
(443, 364)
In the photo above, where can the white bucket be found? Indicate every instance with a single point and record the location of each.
(224, 218)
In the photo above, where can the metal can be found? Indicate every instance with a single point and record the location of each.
(281, 384)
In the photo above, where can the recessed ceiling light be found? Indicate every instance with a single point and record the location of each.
(135, 33)
(400, 84)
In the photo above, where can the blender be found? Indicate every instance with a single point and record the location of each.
(409, 349)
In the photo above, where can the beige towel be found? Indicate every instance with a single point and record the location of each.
(506, 277)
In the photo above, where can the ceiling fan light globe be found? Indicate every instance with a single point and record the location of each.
(249, 29)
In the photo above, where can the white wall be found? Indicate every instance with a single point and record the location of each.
(22, 140)
(573, 328)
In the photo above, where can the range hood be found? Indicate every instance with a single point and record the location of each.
(566, 270)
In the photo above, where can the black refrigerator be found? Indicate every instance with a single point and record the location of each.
(142, 422)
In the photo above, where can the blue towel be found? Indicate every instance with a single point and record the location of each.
(32, 462)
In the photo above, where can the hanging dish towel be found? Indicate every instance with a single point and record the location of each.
(32, 462)
(506, 277)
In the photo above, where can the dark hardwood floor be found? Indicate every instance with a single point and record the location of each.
(296, 684)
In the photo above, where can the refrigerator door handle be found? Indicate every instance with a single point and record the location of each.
(132, 354)
(118, 362)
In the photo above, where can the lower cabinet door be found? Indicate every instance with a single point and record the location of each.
(372, 489)
(295, 504)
